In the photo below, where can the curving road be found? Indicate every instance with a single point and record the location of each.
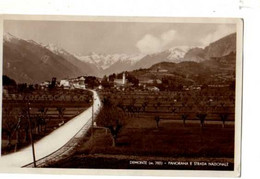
(56, 142)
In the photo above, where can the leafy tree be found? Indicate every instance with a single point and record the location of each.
(53, 83)
(112, 77)
(31, 88)
(132, 79)
(105, 83)
(204, 86)
(8, 81)
(112, 118)
(91, 81)
(22, 88)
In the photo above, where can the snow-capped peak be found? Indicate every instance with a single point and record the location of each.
(180, 48)
(8, 37)
(177, 53)
(33, 42)
(104, 61)
(54, 48)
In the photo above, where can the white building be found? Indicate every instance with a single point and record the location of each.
(65, 83)
(79, 83)
(45, 84)
(122, 81)
(154, 88)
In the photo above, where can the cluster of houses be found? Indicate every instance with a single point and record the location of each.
(119, 84)
(80, 83)
(73, 83)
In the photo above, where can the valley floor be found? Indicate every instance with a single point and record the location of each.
(170, 143)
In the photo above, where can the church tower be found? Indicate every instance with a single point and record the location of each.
(123, 80)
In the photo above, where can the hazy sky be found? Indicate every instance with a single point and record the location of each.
(117, 37)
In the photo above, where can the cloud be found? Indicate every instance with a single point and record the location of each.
(221, 31)
(148, 44)
(168, 37)
(151, 44)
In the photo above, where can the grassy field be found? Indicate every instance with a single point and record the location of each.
(141, 140)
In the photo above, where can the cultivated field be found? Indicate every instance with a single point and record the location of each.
(42, 110)
(181, 126)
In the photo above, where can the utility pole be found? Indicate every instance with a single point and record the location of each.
(92, 111)
(31, 134)
(92, 121)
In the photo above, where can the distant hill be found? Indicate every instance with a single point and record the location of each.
(217, 49)
(217, 70)
(221, 47)
(195, 55)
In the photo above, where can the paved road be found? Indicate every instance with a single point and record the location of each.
(59, 142)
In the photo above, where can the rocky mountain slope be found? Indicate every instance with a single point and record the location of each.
(219, 48)
(215, 64)
(31, 62)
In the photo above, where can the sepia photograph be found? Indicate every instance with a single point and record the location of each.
(135, 94)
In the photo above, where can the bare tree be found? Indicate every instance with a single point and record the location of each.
(61, 113)
(144, 105)
(9, 122)
(43, 110)
(223, 117)
(201, 117)
(157, 120)
(184, 117)
(24, 124)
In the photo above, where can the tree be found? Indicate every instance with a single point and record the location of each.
(201, 117)
(121, 105)
(8, 81)
(223, 117)
(112, 118)
(144, 105)
(204, 86)
(53, 83)
(132, 79)
(91, 81)
(232, 85)
(10, 121)
(25, 123)
(112, 77)
(22, 88)
(184, 118)
(157, 120)
(105, 82)
(61, 113)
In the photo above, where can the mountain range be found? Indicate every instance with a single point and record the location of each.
(32, 62)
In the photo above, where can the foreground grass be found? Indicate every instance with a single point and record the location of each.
(141, 140)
